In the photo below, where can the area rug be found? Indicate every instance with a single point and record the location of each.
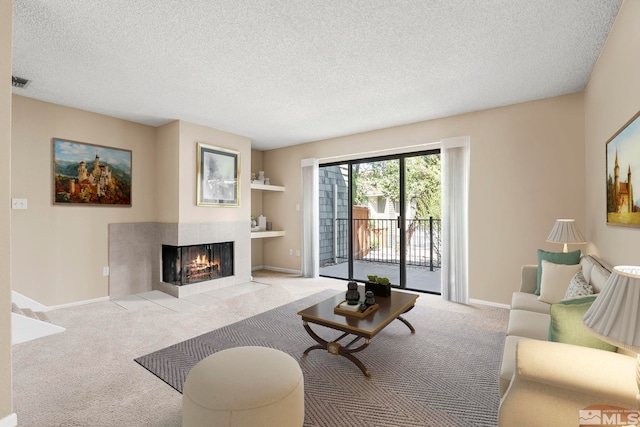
(446, 374)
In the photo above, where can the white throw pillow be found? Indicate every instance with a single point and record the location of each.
(555, 281)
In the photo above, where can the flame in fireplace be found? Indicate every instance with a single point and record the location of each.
(202, 262)
(191, 264)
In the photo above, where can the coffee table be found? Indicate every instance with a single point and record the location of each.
(389, 309)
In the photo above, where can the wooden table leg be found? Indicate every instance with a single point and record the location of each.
(405, 321)
(348, 353)
(335, 348)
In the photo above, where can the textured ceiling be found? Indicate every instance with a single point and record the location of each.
(284, 72)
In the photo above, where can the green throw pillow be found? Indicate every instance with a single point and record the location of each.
(566, 324)
(566, 258)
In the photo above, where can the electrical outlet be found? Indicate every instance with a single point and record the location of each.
(18, 203)
(105, 271)
(290, 252)
(297, 252)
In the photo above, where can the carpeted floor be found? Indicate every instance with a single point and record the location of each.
(444, 375)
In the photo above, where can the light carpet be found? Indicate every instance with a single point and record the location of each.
(446, 374)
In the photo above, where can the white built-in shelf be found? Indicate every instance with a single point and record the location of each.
(267, 187)
(269, 233)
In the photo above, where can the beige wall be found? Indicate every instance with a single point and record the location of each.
(256, 210)
(6, 16)
(527, 169)
(611, 99)
(69, 244)
(168, 185)
(190, 135)
(58, 252)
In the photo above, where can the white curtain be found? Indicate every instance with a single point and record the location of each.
(310, 219)
(455, 157)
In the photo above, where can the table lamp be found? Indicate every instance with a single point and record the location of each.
(614, 316)
(565, 231)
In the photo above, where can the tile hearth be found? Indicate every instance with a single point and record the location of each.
(186, 304)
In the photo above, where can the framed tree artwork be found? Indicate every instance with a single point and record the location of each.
(623, 171)
(218, 176)
(90, 175)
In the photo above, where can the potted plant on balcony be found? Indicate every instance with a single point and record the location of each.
(380, 286)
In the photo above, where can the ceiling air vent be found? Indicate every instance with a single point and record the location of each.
(19, 82)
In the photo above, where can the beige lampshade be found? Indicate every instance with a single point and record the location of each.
(614, 316)
(565, 231)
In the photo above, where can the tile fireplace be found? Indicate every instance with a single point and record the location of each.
(184, 265)
(136, 257)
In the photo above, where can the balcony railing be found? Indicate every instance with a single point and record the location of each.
(378, 240)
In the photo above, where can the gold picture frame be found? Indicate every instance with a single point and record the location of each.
(218, 176)
(622, 169)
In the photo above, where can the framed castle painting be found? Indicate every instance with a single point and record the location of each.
(90, 175)
(218, 176)
(623, 171)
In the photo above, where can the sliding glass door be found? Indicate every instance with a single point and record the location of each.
(375, 225)
(422, 224)
(380, 217)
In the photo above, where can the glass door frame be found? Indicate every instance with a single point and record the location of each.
(401, 218)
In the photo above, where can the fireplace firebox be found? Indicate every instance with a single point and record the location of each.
(184, 265)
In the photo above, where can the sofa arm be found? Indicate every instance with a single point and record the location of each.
(553, 381)
(529, 278)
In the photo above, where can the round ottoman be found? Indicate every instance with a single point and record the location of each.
(244, 386)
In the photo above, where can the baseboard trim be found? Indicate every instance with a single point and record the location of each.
(281, 270)
(490, 303)
(77, 303)
(26, 302)
(9, 421)
(257, 267)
